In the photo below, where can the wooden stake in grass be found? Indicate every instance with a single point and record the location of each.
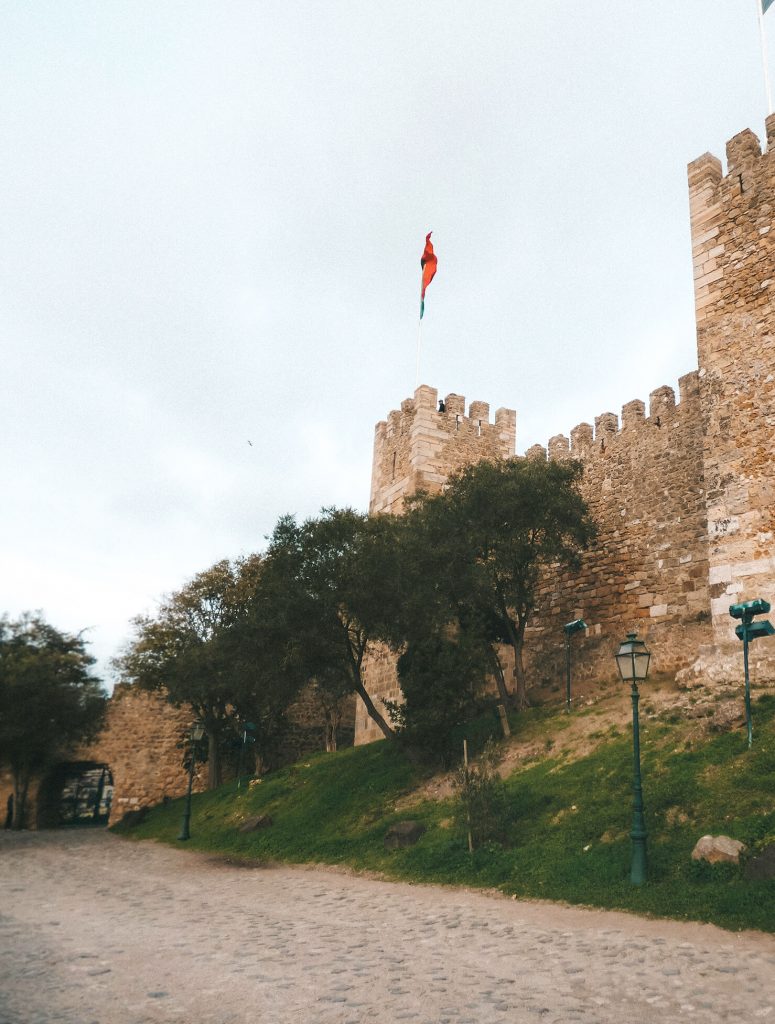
(468, 797)
(504, 721)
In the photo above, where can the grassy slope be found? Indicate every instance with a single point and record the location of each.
(335, 809)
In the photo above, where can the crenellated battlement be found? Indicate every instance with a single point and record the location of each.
(587, 441)
(419, 445)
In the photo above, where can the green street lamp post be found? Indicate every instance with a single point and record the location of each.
(632, 660)
(569, 629)
(197, 732)
(747, 631)
(248, 736)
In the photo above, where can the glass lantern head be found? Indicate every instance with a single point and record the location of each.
(632, 659)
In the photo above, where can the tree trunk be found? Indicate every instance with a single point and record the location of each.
(500, 681)
(333, 718)
(375, 716)
(517, 639)
(213, 761)
(356, 660)
(21, 784)
(520, 694)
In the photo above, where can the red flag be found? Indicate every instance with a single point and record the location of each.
(428, 263)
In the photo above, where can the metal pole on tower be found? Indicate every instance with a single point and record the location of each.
(419, 340)
(761, 7)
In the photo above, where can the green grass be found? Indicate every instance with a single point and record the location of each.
(568, 828)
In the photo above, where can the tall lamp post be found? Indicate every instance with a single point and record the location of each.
(632, 660)
(248, 736)
(569, 629)
(197, 732)
(749, 630)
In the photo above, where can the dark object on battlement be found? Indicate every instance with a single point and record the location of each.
(442, 406)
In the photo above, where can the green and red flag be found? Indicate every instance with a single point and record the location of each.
(428, 263)
(766, 4)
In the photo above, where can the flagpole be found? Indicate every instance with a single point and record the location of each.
(765, 63)
(419, 339)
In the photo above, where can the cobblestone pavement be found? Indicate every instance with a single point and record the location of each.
(97, 930)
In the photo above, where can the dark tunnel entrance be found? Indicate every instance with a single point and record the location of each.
(75, 795)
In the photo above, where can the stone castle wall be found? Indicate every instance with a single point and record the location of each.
(648, 569)
(143, 744)
(683, 495)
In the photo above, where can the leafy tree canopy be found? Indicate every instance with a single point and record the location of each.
(49, 700)
(489, 536)
(333, 567)
(194, 651)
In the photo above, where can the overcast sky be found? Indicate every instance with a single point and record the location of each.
(212, 219)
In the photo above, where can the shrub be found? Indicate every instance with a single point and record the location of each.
(481, 805)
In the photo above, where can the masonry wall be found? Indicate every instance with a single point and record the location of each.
(648, 570)
(733, 248)
(142, 744)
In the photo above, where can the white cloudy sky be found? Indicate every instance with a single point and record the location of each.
(212, 218)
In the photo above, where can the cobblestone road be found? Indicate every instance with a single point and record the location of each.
(96, 930)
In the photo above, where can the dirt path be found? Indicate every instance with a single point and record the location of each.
(96, 930)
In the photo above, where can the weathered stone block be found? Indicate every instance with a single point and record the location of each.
(718, 850)
(255, 823)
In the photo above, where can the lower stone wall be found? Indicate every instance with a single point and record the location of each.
(143, 745)
(307, 720)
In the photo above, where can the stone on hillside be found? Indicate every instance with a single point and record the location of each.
(718, 850)
(403, 833)
(255, 823)
(728, 716)
(761, 868)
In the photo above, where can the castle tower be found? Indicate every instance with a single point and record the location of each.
(733, 245)
(418, 447)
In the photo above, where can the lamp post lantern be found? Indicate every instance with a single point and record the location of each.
(569, 629)
(195, 735)
(747, 631)
(632, 660)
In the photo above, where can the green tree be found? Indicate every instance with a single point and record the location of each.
(332, 567)
(441, 677)
(194, 652)
(497, 527)
(49, 700)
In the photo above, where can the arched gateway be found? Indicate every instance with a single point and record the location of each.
(75, 794)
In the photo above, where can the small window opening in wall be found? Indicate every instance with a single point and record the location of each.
(658, 421)
(740, 179)
(457, 421)
(394, 465)
(602, 446)
(479, 428)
